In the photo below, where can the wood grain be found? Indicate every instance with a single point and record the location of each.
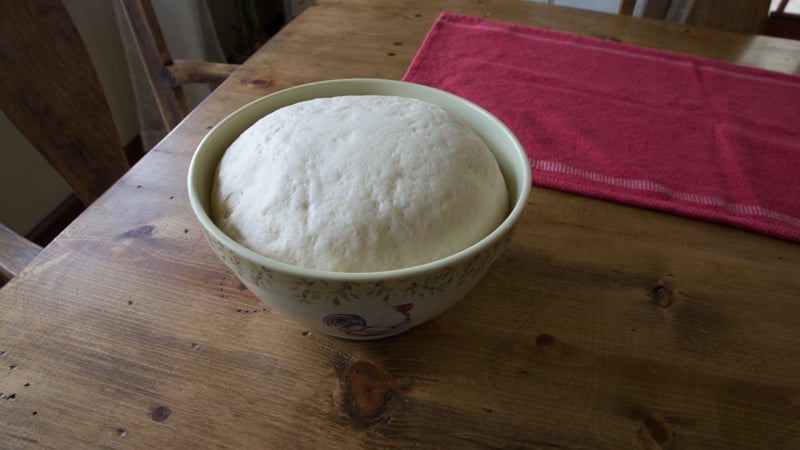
(50, 92)
(17, 253)
(603, 326)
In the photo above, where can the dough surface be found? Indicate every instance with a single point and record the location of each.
(358, 184)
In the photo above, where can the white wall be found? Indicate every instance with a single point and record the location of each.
(30, 187)
(97, 25)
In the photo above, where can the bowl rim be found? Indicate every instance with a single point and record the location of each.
(455, 259)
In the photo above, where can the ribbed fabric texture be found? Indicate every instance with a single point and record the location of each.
(691, 136)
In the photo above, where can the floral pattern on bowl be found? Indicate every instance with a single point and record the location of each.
(337, 293)
(363, 309)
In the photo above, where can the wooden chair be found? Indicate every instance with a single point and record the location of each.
(165, 75)
(783, 24)
(626, 7)
(743, 16)
(50, 91)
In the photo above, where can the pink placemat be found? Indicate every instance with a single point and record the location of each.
(691, 136)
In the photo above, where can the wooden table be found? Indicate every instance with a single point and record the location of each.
(603, 326)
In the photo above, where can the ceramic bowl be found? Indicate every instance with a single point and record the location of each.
(361, 305)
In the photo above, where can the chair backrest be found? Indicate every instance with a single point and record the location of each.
(741, 16)
(50, 91)
(783, 24)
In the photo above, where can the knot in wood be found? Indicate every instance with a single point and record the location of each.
(139, 232)
(544, 340)
(255, 81)
(368, 395)
(662, 296)
(160, 413)
(658, 430)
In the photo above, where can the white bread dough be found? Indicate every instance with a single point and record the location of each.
(358, 184)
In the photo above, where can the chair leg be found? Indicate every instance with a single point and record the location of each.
(626, 7)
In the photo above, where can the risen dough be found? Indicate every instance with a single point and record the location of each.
(358, 184)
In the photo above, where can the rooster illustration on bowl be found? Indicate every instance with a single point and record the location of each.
(393, 322)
